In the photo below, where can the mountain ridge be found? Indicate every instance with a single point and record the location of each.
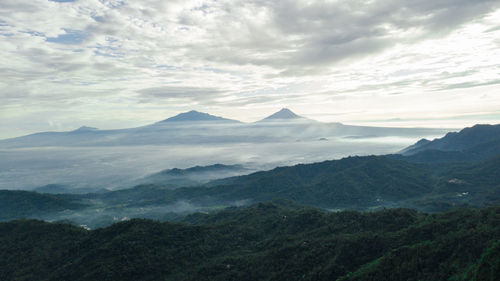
(192, 176)
(195, 127)
(196, 116)
(457, 141)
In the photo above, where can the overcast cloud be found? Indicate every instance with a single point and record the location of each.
(115, 64)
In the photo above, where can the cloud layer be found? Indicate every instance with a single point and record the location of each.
(112, 63)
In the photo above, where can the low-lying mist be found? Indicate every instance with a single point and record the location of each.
(117, 167)
(101, 215)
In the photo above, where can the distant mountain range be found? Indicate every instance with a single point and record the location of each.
(195, 127)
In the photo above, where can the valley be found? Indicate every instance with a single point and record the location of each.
(354, 183)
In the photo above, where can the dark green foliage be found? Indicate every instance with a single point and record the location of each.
(488, 267)
(449, 244)
(24, 204)
(361, 183)
(141, 194)
(476, 184)
(31, 249)
(263, 242)
(353, 182)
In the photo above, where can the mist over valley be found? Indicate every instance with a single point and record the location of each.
(116, 159)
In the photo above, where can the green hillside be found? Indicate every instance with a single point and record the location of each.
(482, 151)
(347, 183)
(262, 242)
(466, 139)
(360, 183)
(22, 204)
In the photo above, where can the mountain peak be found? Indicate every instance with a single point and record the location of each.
(85, 129)
(196, 116)
(284, 113)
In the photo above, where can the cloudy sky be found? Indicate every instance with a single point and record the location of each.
(116, 64)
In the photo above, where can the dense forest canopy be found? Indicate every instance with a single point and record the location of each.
(267, 241)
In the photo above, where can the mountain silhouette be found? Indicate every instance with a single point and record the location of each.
(282, 115)
(196, 116)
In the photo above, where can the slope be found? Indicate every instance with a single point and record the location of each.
(458, 141)
(196, 116)
(24, 204)
(261, 242)
(353, 182)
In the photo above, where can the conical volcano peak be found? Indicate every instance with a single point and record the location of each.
(196, 116)
(284, 113)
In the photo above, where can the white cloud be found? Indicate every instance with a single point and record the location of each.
(105, 61)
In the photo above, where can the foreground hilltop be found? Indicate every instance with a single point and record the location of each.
(263, 242)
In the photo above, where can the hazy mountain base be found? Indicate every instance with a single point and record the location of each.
(121, 167)
(201, 128)
(262, 242)
(116, 159)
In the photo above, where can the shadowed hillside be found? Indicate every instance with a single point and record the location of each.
(262, 242)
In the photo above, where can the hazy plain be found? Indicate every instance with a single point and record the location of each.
(115, 167)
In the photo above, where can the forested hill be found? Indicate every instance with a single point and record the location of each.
(475, 143)
(19, 204)
(349, 182)
(361, 182)
(262, 242)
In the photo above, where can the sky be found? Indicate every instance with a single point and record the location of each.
(118, 64)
